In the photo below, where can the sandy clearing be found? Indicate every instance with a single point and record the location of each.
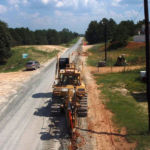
(10, 82)
(86, 47)
(47, 48)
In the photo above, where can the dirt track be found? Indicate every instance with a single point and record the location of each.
(105, 70)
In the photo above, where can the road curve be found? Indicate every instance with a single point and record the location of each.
(28, 122)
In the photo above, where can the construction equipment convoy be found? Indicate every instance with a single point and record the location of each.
(71, 92)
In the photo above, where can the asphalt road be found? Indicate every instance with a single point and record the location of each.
(30, 120)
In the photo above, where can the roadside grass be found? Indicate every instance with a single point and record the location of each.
(15, 62)
(71, 42)
(130, 109)
(134, 55)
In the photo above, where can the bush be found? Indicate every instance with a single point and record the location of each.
(118, 44)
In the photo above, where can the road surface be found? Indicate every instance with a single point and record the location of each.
(30, 121)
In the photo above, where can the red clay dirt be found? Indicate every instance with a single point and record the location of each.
(133, 45)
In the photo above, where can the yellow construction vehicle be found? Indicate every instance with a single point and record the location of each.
(71, 91)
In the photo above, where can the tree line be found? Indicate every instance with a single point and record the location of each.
(23, 36)
(117, 34)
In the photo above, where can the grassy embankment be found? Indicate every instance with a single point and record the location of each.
(134, 55)
(125, 93)
(15, 62)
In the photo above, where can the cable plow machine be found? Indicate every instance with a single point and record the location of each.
(71, 92)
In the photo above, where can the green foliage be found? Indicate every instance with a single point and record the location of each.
(122, 33)
(96, 31)
(118, 34)
(128, 111)
(70, 43)
(92, 33)
(15, 62)
(118, 44)
(24, 36)
(4, 42)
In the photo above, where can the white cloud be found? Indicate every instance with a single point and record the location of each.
(25, 1)
(74, 3)
(13, 2)
(59, 4)
(116, 2)
(45, 1)
(3, 9)
(16, 3)
(132, 14)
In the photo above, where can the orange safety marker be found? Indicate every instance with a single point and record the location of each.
(70, 117)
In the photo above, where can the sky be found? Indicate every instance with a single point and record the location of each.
(72, 14)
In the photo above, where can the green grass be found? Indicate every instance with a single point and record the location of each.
(135, 56)
(69, 44)
(128, 109)
(15, 62)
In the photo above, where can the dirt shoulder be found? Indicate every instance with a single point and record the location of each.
(100, 127)
(105, 70)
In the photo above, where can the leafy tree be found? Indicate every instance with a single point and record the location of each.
(139, 25)
(96, 31)
(118, 34)
(53, 37)
(111, 28)
(66, 35)
(4, 42)
(120, 37)
(26, 35)
(41, 37)
(92, 33)
(130, 27)
(15, 37)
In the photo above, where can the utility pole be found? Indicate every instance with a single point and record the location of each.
(147, 56)
(105, 26)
